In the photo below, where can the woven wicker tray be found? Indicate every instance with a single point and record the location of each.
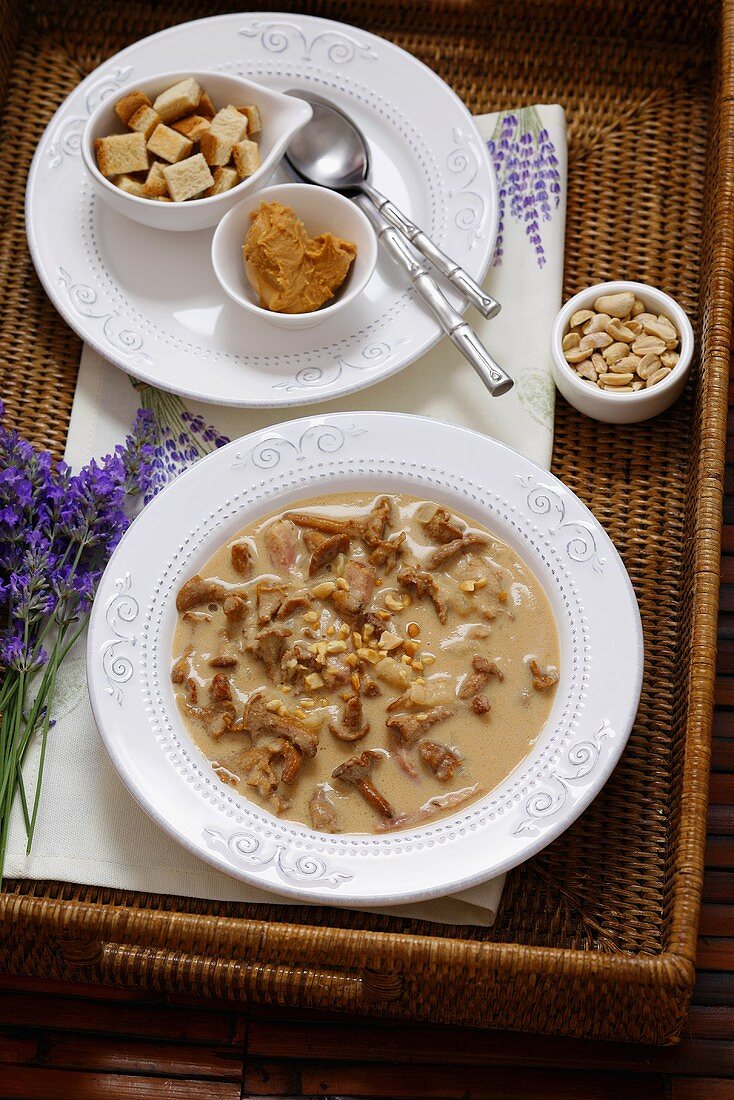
(597, 935)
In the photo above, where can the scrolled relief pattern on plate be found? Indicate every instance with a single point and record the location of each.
(278, 36)
(327, 439)
(581, 547)
(373, 355)
(545, 804)
(67, 138)
(121, 611)
(464, 162)
(125, 341)
(257, 856)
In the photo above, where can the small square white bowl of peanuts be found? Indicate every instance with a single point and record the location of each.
(621, 351)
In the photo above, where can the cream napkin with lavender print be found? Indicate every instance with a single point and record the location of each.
(90, 830)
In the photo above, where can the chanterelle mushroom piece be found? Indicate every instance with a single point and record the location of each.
(219, 717)
(424, 585)
(354, 728)
(241, 558)
(326, 551)
(327, 525)
(480, 705)
(299, 601)
(451, 549)
(542, 680)
(196, 591)
(441, 527)
(373, 528)
(257, 765)
(322, 811)
(270, 595)
(358, 771)
(220, 688)
(270, 646)
(312, 539)
(226, 658)
(370, 529)
(386, 554)
(292, 757)
(258, 720)
(234, 608)
(412, 726)
(439, 758)
(484, 670)
(297, 662)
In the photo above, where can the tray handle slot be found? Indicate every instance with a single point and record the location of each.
(160, 970)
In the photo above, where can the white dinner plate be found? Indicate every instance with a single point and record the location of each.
(148, 300)
(130, 642)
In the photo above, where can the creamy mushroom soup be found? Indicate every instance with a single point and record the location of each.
(362, 663)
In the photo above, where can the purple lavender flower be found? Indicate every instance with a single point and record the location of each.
(165, 440)
(93, 515)
(528, 181)
(57, 531)
(20, 656)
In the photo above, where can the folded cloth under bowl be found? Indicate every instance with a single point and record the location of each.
(90, 830)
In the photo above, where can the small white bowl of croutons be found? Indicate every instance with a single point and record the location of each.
(178, 150)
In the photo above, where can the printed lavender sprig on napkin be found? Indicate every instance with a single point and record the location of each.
(526, 165)
(169, 439)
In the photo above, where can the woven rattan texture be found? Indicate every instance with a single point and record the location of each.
(637, 208)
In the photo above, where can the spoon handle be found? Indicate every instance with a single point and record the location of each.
(469, 289)
(456, 328)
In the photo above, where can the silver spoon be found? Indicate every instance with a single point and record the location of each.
(332, 151)
(323, 164)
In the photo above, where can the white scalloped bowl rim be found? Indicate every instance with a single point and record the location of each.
(129, 651)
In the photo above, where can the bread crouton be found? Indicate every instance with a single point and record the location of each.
(144, 120)
(131, 185)
(129, 104)
(179, 146)
(252, 113)
(155, 184)
(192, 126)
(179, 100)
(187, 178)
(224, 180)
(246, 157)
(217, 150)
(168, 145)
(229, 123)
(121, 153)
(206, 107)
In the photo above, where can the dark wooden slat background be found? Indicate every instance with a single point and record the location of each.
(61, 1042)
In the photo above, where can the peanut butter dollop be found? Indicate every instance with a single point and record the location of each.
(291, 272)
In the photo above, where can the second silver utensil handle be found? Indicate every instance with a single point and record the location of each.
(461, 334)
(453, 324)
(469, 288)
